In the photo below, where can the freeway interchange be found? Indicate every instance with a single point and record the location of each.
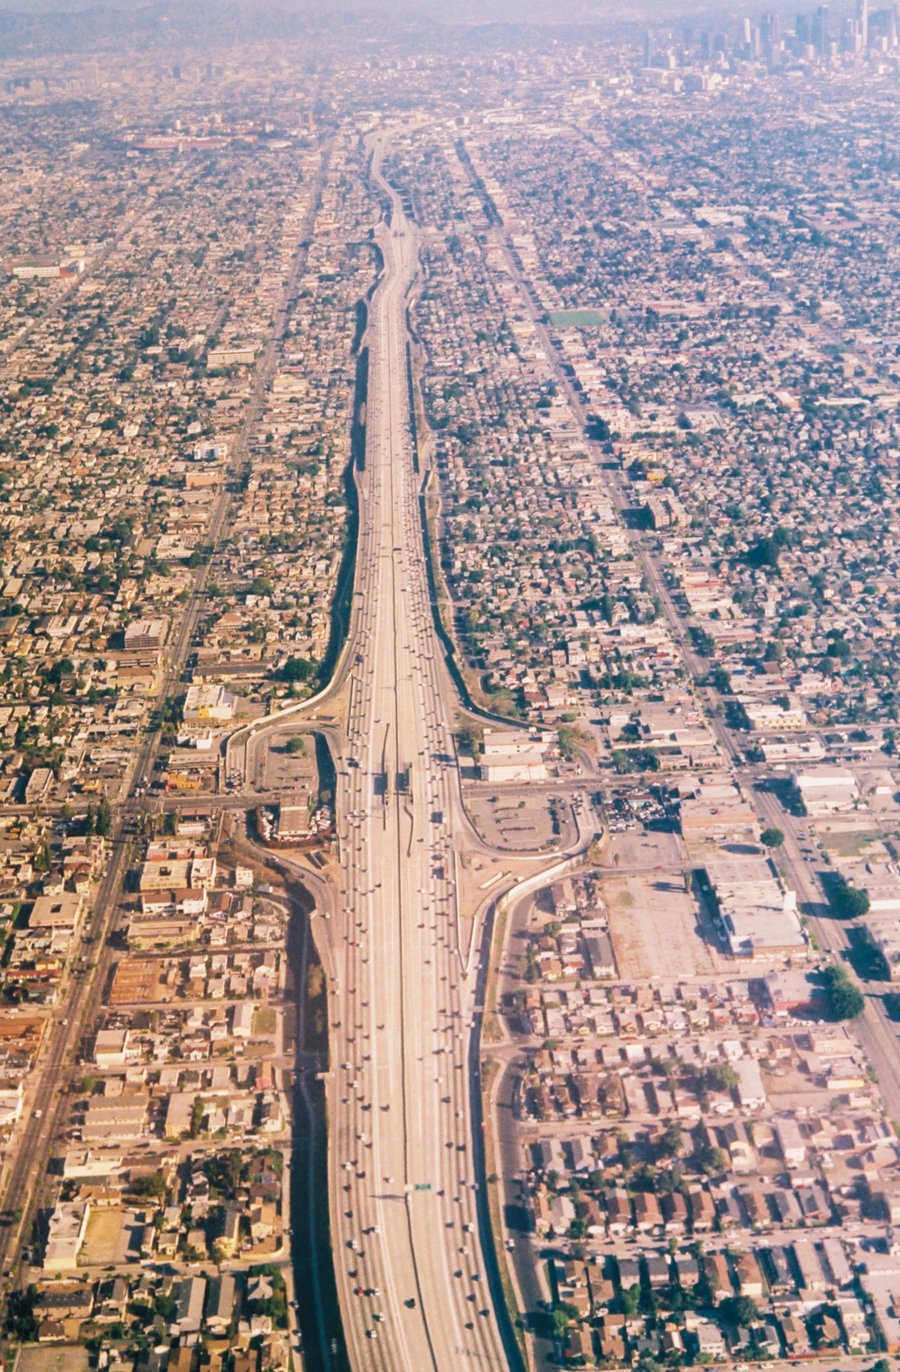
(415, 1289)
(410, 1272)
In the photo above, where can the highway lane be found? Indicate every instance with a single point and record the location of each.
(404, 1222)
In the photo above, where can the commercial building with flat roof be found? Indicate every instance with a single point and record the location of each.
(66, 1229)
(759, 914)
(825, 790)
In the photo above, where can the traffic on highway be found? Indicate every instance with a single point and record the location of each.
(404, 1198)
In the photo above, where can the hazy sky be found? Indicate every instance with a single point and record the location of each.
(75, 25)
(464, 10)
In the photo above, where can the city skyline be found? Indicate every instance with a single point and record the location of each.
(449, 787)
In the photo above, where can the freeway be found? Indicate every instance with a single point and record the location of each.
(413, 1290)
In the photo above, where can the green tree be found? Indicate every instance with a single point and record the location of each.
(847, 901)
(772, 837)
(165, 1307)
(630, 1299)
(568, 741)
(21, 1321)
(153, 1186)
(224, 1171)
(559, 1323)
(672, 1141)
(198, 1109)
(720, 1076)
(736, 1310)
(843, 997)
(838, 648)
(296, 669)
(471, 738)
(55, 674)
(763, 553)
(275, 1305)
(295, 745)
(103, 824)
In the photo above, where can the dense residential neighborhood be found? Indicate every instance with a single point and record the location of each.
(646, 412)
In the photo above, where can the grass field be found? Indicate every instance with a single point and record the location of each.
(577, 319)
(264, 1022)
(852, 842)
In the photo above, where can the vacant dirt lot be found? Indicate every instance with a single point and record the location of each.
(851, 843)
(654, 927)
(62, 1358)
(104, 1239)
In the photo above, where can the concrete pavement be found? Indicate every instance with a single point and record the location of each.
(410, 1276)
(402, 1190)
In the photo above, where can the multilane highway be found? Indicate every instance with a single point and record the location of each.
(413, 1290)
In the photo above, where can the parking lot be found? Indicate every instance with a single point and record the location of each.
(638, 848)
(286, 761)
(522, 823)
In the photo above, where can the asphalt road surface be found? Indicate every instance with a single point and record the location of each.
(413, 1289)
